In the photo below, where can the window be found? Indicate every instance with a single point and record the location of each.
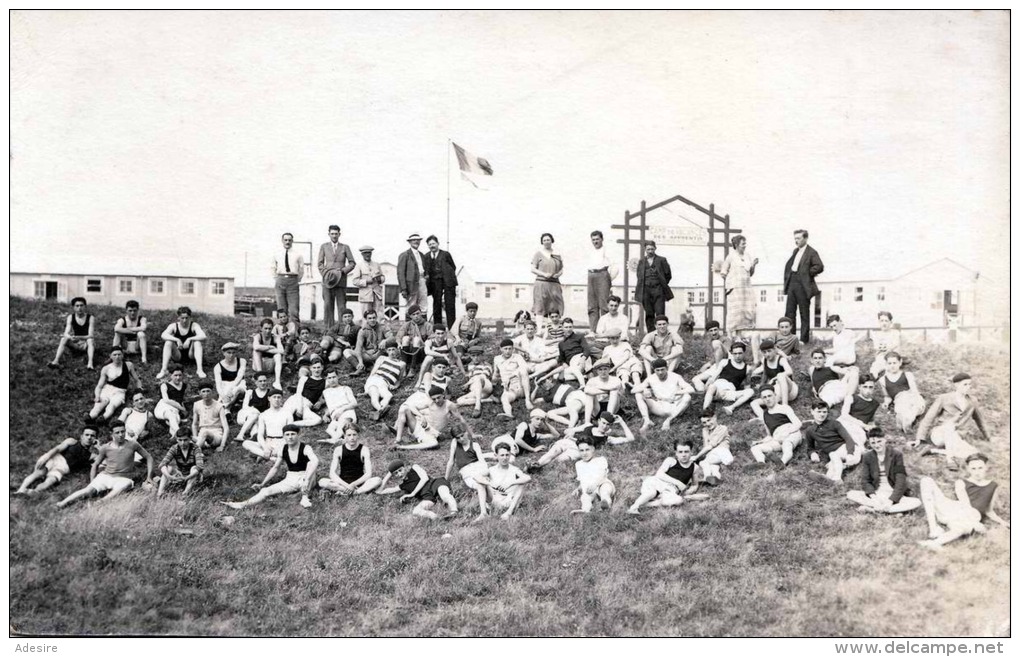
(187, 287)
(217, 288)
(490, 291)
(690, 298)
(39, 289)
(936, 303)
(881, 293)
(701, 296)
(716, 296)
(125, 286)
(157, 286)
(780, 297)
(858, 294)
(764, 296)
(578, 293)
(837, 294)
(94, 285)
(519, 293)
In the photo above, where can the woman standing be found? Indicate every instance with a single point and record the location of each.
(737, 270)
(547, 268)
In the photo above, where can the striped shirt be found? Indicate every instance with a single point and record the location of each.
(553, 331)
(184, 461)
(479, 369)
(434, 381)
(389, 369)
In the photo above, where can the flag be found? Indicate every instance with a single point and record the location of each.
(475, 170)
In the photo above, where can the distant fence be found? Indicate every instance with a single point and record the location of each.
(926, 334)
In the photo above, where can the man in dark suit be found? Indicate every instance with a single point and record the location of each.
(336, 257)
(652, 289)
(441, 282)
(886, 494)
(411, 275)
(799, 283)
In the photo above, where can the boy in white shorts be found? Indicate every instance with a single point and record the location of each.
(504, 483)
(604, 388)
(439, 346)
(782, 427)
(350, 472)
(566, 449)
(71, 456)
(661, 343)
(728, 381)
(538, 352)
(182, 457)
(950, 412)
(115, 379)
(119, 457)
(479, 385)
(569, 403)
(383, 380)
(255, 401)
(415, 484)
(976, 495)
(229, 373)
(209, 419)
(899, 389)
(428, 424)
(776, 372)
(885, 340)
(720, 349)
(663, 394)
(269, 435)
(626, 365)
(130, 330)
(511, 370)
(832, 384)
(715, 448)
(466, 455)
(677, 478)
(301, 463)
(592, 478)
(527, 436)
(171, 406)
(341, 406)
(844, 343)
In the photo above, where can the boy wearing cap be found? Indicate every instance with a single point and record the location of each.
(592, 478)
(269, 436)
(527, 436)
(229, 375)
(826, 437)
(119, 457)
(715, 447)
(340, 340)
(776, 372)
(604, 388)
(209, 419)
(368, 277)
(429, 423)
(266, 345)
(511, 370)
(255, 401)
(411, 336)
(411, 275)
(183, 457)
(663, 394)
(948, 414)
(976, 495)
(130, 330)
(70, 456)
(678, 477)
(661, 343)
(301, 463)
(728, 381)
(383, 379)
(883, 479)
(439, 346)
(782, 427)
(624, 363)
(415, 484)
(465, 333)
(565, 450)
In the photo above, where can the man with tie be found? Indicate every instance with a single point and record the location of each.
(288, 270)
(601, 272)
(335, 257)
(652, 290)
(799, 283)
(441, 282)
(411, 275)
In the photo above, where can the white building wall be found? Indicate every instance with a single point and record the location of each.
(156, 292)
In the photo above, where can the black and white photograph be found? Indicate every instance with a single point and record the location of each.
(487, 323)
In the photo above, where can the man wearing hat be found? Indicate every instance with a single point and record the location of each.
(947, 416)
(229, 375)
(335, 262)
(441, 282)
(368, 278)
(411, 275)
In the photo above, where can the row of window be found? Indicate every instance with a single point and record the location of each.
(698, 297)
(186, 287)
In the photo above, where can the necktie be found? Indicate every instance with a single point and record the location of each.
(286, 260)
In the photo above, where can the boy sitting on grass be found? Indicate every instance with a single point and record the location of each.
(728, 381)
(301, 463)
(415, 484)
(883, 479)
(78, 335)
(119, 457)
(209, 419)
(428, 424)
(183, 457)
(70, 456)
(782, 427)
(439, 347)
(567, 449)
(504, 484)
(975, 501)
(350, 472)
(592, 478)
(511, 370)
(831, 383)
(479, 385)
(677, 478)
(383, 380)
(715, 447)
(827, 437)
(663, 394)
(527, 436)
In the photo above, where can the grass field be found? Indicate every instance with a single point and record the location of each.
(770, 554)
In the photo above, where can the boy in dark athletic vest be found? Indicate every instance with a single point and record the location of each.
(301, 463)
(677, 478)
(728, 381)
(975, 501)
(78, 333)
(858, 414)
(416, 484)
(350, 472)
(69, 457)
(129, 332)
(827, 438)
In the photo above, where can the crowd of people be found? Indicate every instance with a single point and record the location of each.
(577, 389)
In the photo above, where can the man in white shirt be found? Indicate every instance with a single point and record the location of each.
(592, 478)
(613, 319)
(601, 273)
(664, 394)
(288, 269)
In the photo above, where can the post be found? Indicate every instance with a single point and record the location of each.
(710, 302)
(626, 263)
(448, 146)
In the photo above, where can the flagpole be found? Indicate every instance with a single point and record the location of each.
(448, 142)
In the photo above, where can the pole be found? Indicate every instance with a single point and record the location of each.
(246, 272)
(448, 144)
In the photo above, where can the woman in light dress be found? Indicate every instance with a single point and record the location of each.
(737, 270)
(547, 268)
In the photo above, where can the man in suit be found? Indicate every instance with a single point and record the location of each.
(411, 275)
(883, 494)
(799, 283)
(441, 282)
(334, 256)
(652, 290)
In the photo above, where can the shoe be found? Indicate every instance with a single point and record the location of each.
(712, 481)
(392, 428)
(53, 366)
(532, 468)
(383, 412)
(305, 502)
(476, 413)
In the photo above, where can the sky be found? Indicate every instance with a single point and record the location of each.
(193, 139)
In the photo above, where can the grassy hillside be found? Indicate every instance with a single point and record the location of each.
(771, 553)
